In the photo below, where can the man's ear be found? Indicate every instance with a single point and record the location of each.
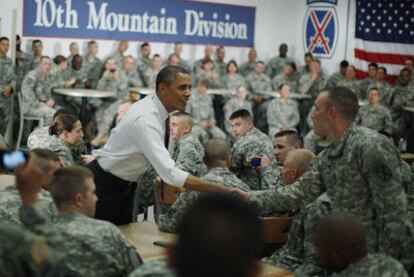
(333, 112)
(161, 89)
(78, 199)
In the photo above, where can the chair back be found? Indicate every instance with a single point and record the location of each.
(165, 193)
(276, 229)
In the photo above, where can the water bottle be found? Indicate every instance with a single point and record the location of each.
(402, 145)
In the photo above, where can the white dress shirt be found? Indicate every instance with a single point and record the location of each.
(138, 140)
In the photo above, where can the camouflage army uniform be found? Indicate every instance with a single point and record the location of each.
(375, 117)
(246, 69)
(7, 77)
(95, 247)
(133, 79)
(34, 62)
(170, 220)
(401, 95)
(40, 138)
(234, 105)
(361, 175)
(276, 65)
(311, 87)
(201, 109)
(385, 92)
(335, 79)
(407, 177)
(106, 111)
(220, 67)
(373, 265)
(229, 82)
(143, 65)
(10, 204)
(364, 85)
(34, 249)
(282, 113)
(188, 155)
(3, 142)
(36, 91)
(93, 66)
(149, 76)
(300, 244)
(282, 78)
(81, 74)
(252, 144)
(153, 268)
(354, 86)
(213, 82)
(184, 64)
(21, 69)
(119, 59)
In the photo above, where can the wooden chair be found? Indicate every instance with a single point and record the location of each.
(276, 229)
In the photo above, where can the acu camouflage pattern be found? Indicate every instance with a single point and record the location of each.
(282, 78)
(252, 144)
(276, 65)
(93, 66)
(7, 77)
(213, 82)
(246, 68)
(375, 117)
(364, 85)
(95, 247)
(354, 86)
(143, 66)
(34, 249)
(153, 268)
(361, 175)
(385, 92)
(257, 85)
(133, 79)
(401, 96)
(282, 113)
(10, 204)
(300, 245)
(21, 68)
(170, 220)
(149, 76)
(229, 82)
(373, 265)
(335, 79)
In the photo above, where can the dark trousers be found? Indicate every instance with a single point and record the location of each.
(115, 196)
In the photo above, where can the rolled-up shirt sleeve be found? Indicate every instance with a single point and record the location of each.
(151, 142)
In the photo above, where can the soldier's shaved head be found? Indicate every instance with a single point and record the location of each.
(300, 159)
(216, 150)
(185, 117)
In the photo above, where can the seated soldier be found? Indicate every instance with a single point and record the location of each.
(41, 137)
(283, 143)
(10, 202)
(185, 150)
(299, 247)
(93, 247)
(234, 104)
(217, 159)
(129, 68)
(251, 142)
(219, 236)
(342, 245)
(201, 109)
(374, 115)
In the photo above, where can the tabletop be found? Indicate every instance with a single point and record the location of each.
(143, 91)
(79, 92)
(6, 180)
(409, 109)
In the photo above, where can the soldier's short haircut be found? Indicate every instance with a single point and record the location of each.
(59, 59)
(243, 114)
(44, 57)
(168, 74)
(67, 182)
(36, 41)
(382, 68)
(185, 116)
(144, 45)
(219, 236)
(344, 100)
(374, 88)
(205, 83)
(344, 63)
(73, 43)
(292, 65)
(373, 65)
(292, 137)
(300, 159)
(308, 54)
(4, 38)
(156, 56)
(92, 42)
(260, 61)
(44, 158)
(216, 150)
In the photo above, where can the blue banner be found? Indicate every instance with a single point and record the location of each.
(141, 20)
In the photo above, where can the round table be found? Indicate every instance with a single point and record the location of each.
(84, 94)
(143, 91)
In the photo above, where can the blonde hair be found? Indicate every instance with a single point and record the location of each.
(300, 159)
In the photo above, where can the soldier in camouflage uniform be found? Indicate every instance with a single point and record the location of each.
(248, 67)
(10, 201)
(250, 143)
(344, 235)
(198, 65)
(200, 106)
(374, 115)
(307, 58)
(282, 113)
(276, 64)
(234, 104)
(92, 64)
(73, 51)
(185, 149)
(288, 76)
(131, 73)
(144, 63)
(352, 83)
(150, 74)
(383, 86)
(154, 268)
(178, 49)
(7, 84)
(208, 73)
(220, 65)
(37, 53)
(37, 91)
(112, 79)
(338, 76)
(217, 157)
(231, 79)
(34, 249)
(22, 64)
(368, 81)
(119, 54)
(258, 84)
(359, 170)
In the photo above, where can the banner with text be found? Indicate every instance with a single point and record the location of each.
(142, 20)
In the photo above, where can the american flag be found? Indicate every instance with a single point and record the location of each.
(384, 33)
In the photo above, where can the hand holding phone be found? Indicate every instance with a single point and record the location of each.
(9, 160)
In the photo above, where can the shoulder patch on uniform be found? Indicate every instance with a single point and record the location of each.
(39, 250)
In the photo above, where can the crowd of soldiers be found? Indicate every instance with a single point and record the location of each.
(220, 138)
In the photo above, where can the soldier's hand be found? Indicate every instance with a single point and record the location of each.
(50, 103)
(241, 193)
(87, 158)
(29, 179)
(7, 90)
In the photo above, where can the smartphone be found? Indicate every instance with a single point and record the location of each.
(256, 161)
(9, 160)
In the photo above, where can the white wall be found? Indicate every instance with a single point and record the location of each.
(277, 21)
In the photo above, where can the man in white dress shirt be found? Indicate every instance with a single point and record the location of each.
(139, 139)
